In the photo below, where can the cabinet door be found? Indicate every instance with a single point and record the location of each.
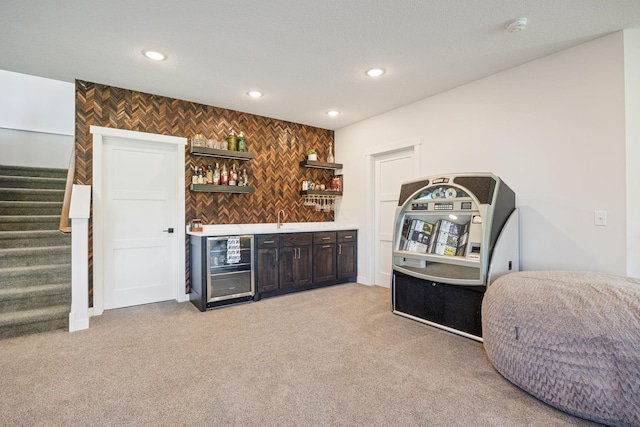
(304, 266)
(288, 258)
(295, 266)
(267, 276)
(324, 263)
(347, 260)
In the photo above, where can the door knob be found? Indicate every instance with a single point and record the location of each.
(168, 230)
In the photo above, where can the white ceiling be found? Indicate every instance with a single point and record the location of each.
(307, 56)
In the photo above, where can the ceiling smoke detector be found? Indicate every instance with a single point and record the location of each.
(516, 25)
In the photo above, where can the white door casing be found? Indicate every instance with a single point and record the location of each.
(138, 191)
(390, 166)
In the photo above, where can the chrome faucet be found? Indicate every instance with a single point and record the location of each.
(281, 211)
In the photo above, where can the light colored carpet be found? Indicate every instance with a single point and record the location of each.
(330, 357)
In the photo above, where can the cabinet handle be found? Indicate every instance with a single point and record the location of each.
(348, 237)
(339, 249)
(276, 255)
(298, 252)
(268, 241)
(325, 238)
(326, 246)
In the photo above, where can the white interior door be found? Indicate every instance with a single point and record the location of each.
(391, 170)
(139, 209)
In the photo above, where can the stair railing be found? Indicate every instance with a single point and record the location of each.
(65, 226)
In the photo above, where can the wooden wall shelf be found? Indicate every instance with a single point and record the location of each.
(224, 154)
(320, 165)
(208, 188)
(320, 193)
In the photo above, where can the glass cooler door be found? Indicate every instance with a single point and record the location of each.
(229, 265)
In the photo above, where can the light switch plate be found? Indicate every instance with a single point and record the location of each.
(600, 218)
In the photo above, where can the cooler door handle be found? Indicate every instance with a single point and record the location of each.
(168, 230)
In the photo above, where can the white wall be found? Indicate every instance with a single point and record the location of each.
(632, 80)
(37, 119)
(552, 129)
(35, 149)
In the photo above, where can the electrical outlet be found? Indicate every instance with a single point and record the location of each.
(600, 218)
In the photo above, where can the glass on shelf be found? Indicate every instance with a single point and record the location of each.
(325, 203)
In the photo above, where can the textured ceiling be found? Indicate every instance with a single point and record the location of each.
(306, 56)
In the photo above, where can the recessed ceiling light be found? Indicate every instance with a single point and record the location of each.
(255, 93)
(154, 54)
(333, 113)
(375, 72)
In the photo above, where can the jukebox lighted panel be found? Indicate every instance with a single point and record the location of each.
(453, 235)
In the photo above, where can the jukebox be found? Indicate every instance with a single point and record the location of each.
(453, 235)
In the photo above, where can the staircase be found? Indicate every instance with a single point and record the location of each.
(35, 258)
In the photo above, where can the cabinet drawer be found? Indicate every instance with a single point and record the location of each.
(268, 241)
(296, 239)
(324, 237)
(347, 236)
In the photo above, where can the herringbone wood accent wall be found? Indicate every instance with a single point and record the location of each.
(275, 172)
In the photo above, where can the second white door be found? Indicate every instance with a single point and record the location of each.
(391, 170)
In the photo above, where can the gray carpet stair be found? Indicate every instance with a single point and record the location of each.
(35, 257)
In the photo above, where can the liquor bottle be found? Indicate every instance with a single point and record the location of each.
(224, 175)
(194, 178)
(209, 175)
(233, 141)
(330, 158)
(216, 175)
(245, 179)
(233, 176)
(241, 141)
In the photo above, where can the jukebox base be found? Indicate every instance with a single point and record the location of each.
(453, 308)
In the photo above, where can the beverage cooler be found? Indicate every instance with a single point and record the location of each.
(221, 270)
(453, 235)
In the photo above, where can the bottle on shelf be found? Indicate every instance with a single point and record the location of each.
(240, 141)
(194, 178)
(216, 175)
(330, 158)
(209, 175)
(245, 178)
(224, 175)
(233, 176)
(233, 141)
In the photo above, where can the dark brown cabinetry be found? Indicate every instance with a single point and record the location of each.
(324, 257)
(268, 271)
(347, 257)
(295, 260)
(291, 262)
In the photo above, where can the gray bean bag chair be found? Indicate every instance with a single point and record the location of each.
(571, 339)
